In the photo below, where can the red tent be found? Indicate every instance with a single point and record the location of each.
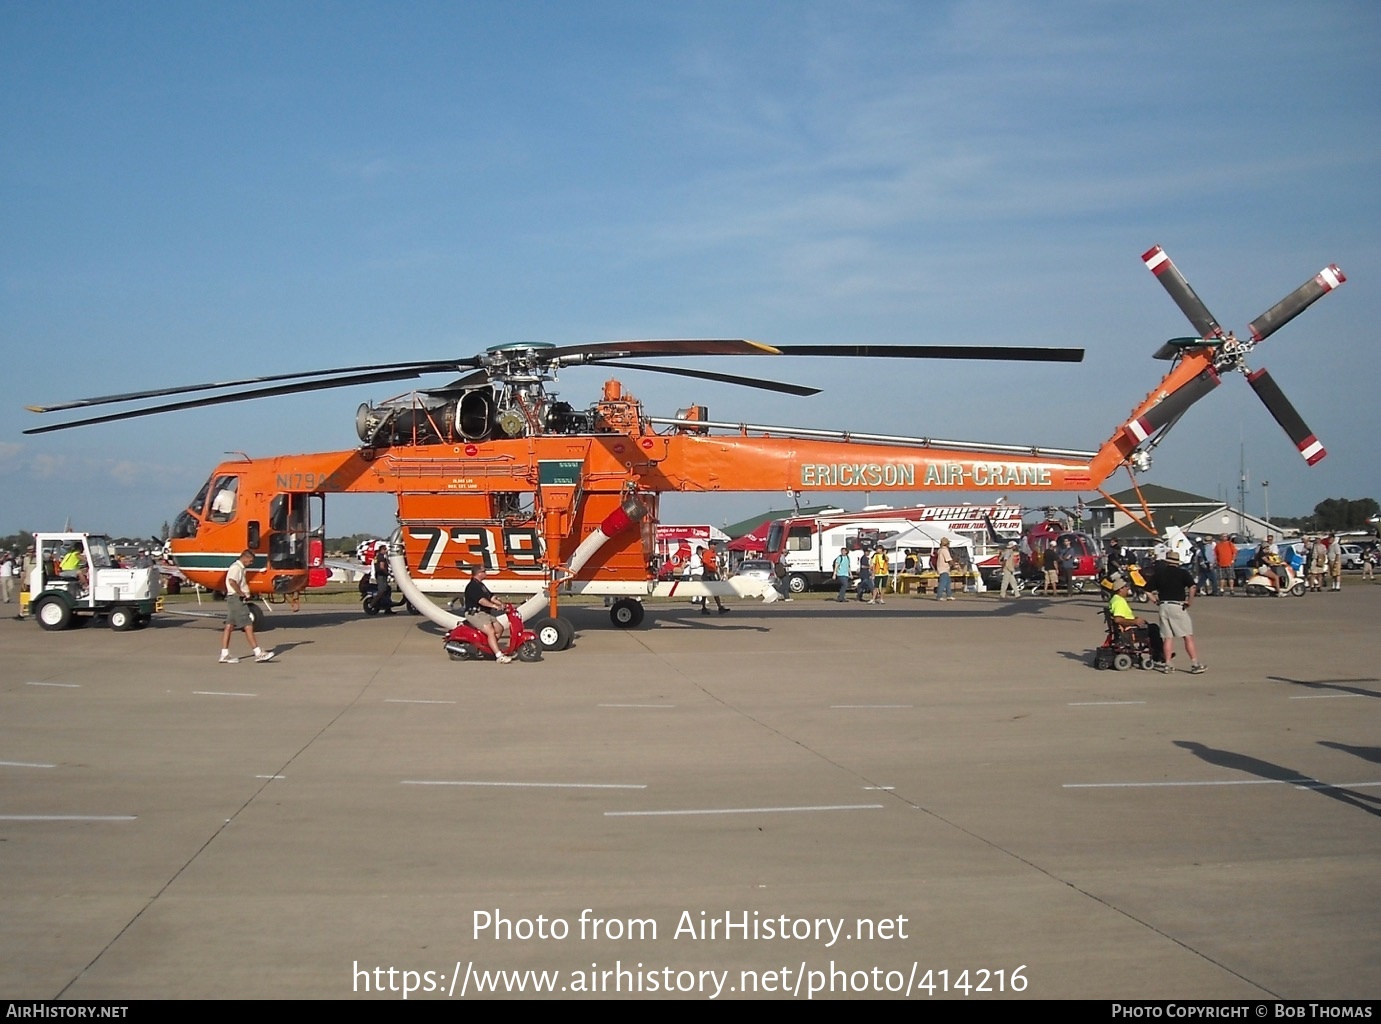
(754, 541)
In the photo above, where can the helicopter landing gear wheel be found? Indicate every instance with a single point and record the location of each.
(555, 634)
(627, 613)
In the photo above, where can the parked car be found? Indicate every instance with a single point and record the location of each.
(756, 568)
(1352, 556)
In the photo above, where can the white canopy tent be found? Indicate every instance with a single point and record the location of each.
(928, 537)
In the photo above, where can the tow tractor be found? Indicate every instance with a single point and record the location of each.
(127, 598)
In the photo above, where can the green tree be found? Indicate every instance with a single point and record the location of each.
(1345, 513)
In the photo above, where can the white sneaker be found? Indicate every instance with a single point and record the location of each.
(225, 659)
(503, 659)
(265, 656)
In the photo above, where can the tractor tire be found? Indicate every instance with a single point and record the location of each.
(53, 613)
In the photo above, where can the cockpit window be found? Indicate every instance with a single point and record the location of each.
(224, 497)
(198, 504)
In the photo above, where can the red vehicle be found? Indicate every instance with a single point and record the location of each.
(1049, 533)
(466, 643)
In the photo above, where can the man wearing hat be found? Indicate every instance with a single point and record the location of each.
(1009, 561)
(1173, 590)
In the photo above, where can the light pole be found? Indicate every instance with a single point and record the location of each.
(1266, 496)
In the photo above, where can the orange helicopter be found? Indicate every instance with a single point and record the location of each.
(492, 469)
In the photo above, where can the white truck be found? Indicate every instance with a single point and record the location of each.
(804, 547)
(91, 586)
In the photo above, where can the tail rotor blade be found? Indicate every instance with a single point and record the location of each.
(1171, 407)
(1185, 297)
(1296, 302)
(1274, 399)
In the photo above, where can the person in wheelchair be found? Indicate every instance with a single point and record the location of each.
(1130, 627)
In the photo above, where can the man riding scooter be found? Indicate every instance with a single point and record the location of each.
(1269, 564)
(478, 603)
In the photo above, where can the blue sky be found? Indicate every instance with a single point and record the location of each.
(196, 191)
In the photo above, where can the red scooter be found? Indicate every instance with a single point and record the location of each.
(466, 643)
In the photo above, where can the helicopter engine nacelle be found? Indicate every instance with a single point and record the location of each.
(383, 426)
(474, 415)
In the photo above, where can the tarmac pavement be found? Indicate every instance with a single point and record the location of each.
(908, 792)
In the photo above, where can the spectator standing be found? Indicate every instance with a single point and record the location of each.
(865, 578)
(1010, 559)
(1335, 563)
(7, 575)
(1069, 565)
(1050, 565)
(1203, 566)
(841, 574)
(1316, 563)
(1174, 590)
(944, 563)
(1224, 557)
(882, 571)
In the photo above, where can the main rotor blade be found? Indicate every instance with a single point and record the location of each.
(422, 366)
(665, 347)
(1274, 399)
(726, 378)
(238, 396)
(1296, 302)
(1190, 304)
(993, 352)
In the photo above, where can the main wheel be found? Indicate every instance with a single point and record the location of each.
(627, 613)
(53, 613)
(256, 614)
(1122, 661)
(531, 650)
(122, 619)
(796, 583)
(555, 634)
